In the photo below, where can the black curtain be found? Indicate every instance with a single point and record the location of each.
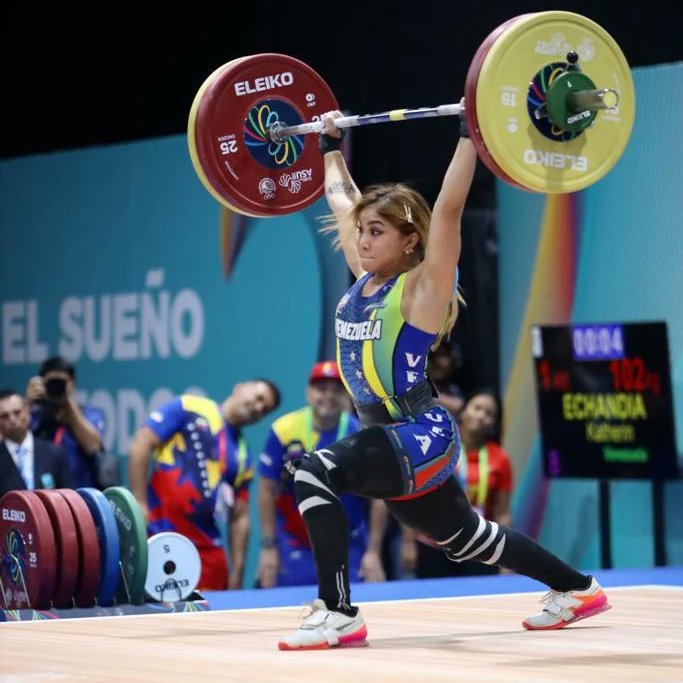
(475, 337)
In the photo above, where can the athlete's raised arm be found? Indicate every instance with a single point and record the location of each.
(340, 190)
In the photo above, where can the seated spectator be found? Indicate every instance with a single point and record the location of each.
(487, 468)
(56, 416)
(286, 556)
(200, 461)
(27, 462)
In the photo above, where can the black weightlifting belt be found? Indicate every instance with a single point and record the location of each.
(417, 400)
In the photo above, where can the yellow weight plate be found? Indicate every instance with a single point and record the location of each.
(471, 101)
(504, 95)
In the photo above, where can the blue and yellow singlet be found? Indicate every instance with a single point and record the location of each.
(379, 353)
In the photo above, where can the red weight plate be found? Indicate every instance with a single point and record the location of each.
(471, 101)
(66, 541)
(233, 119)
(28, 557)
(88, 549)
(191, 137)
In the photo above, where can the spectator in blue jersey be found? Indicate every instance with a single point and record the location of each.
(200, 462)
(56, 416)
(404, 301)
(286, 558)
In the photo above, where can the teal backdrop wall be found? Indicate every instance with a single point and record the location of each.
(613, 252)
(114, 257)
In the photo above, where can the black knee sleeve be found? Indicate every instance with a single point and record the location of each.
(494, 544)
(498, 545)
(319, 505)
(313, 485)
(476, 539)
(446, 516)
(367, 463)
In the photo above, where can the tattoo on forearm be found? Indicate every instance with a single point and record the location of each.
(341, 187)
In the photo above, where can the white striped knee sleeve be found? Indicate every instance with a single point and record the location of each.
(308, 478)
(312, 502)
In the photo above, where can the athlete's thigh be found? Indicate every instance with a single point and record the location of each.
(390, 461)
(437, 513)
(368, 464)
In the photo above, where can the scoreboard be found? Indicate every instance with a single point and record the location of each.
(604, 400)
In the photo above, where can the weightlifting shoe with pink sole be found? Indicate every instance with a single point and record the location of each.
(562, 609)
(322, 628)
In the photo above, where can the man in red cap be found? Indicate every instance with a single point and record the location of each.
(286, 558)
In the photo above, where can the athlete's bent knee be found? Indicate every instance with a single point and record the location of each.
(478, 539)
(312, 484)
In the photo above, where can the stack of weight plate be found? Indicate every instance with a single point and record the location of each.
(83, 548)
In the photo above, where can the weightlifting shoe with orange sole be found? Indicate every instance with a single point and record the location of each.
(562, 609)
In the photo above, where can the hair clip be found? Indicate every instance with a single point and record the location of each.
(409, 213)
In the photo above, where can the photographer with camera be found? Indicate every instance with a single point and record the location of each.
(57, 417)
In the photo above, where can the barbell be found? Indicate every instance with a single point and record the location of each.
(549, 103)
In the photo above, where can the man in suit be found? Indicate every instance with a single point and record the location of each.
(25, 461)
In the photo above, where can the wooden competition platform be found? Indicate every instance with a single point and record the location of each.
(471, 638)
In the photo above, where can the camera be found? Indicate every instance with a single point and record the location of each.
(55, 388)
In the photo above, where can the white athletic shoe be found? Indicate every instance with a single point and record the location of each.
(562, 609)
(322, 628)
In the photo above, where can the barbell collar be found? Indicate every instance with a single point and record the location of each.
(593, 100)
